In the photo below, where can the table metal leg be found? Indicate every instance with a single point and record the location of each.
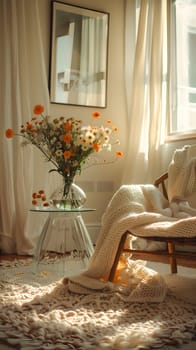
(41, 240)
(83, 237)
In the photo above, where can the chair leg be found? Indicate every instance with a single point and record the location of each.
(172, 257)
(117, 257)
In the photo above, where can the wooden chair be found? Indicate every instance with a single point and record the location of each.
(170, 252)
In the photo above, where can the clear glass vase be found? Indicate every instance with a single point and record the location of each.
(68, 196)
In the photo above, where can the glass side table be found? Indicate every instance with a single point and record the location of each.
(64, 246)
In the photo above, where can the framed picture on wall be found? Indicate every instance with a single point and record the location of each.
(79, 56)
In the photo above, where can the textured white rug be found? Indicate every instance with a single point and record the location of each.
(37, 312)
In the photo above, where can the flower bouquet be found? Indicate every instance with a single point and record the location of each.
(65, 142)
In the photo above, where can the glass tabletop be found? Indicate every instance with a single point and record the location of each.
(56, 210)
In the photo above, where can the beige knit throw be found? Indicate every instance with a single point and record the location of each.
(143, 210)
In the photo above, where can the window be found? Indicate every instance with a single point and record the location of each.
(182, 120)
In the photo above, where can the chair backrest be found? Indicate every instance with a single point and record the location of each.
(161, 181)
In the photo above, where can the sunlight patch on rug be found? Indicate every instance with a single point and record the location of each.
(35, 316)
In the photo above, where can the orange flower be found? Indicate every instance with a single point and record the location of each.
(96, 146)
(34, 195)
(34, 202)
(67, 138)
(119, 154)
(9, 133)
(46, 204)
(109, 121)
(67, 126)
(41, 192)
(67, 154)
(38, 109)
(115, 129)
(29, 126)
(96, 115)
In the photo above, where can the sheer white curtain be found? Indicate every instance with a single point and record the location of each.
(146, 88)
(24, 83)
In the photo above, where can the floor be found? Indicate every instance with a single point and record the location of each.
(185, 286)
(187, 290)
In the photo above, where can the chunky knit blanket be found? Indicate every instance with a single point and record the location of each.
(143, 210)
(182, 174)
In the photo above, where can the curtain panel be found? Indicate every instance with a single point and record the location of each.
(146, 68)
(24, 83)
